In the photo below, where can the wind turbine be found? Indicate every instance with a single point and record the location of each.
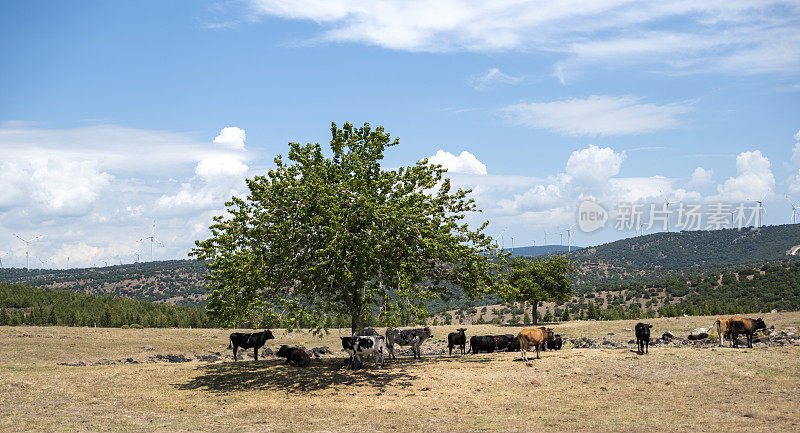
(502, 239)
(569, 237)
(641, 228)
(44, 262)
(28, 247)
(153, 239)
(668, 203)
(761, 208)
(794, 210)
(2, 254)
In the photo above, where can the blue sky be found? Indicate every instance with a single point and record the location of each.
(113, 113)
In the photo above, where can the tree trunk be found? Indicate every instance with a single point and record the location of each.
(535, 312)
(356, 322)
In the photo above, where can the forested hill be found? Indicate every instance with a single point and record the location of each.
(171, 282)
(541, 250)
(697, 248)
(22, 305)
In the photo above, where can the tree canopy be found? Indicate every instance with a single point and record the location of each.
(341, 235)
(535, 281)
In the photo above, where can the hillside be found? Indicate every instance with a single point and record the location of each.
(542, 250)
(690, 249)
(22, 305)
(651, 271)
(169, 282)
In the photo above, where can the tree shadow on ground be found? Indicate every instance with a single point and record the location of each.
(321, 374)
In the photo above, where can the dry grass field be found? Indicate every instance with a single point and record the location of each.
(671, 389)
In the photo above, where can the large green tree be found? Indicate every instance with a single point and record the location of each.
(340, 235)
(536, 281)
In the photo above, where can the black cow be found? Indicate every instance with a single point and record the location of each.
(482, 343)
(642, 337)
(244, 340)
(506, 342)
(358, 346)
(554, 344)
(294, 356)
(407, 337)
(457, 339)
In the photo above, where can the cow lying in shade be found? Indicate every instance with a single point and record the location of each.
(358, 346)
(245, 340)
(294, 356)
(407, 337)
(457, 339)
(535, 338)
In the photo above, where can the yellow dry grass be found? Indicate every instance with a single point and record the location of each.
(672, 389)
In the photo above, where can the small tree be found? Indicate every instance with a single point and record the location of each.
(535, 281)
(565, 317)
(548, 316)
(341, 235)
(526, 318)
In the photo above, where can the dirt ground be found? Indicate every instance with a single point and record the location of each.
(121, 387)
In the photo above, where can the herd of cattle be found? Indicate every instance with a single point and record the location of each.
(371, 343)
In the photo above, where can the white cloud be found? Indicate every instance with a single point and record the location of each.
(491, 78)
(753, 178)
(794, 183)
(232, 137)
(94, 191)
(118, 150)
(797, 136)
(221, 167)
(593, 166)
(52, 186)
(738, 36)
(597, 115)
(465, 163)
(701, 177)
(217, 179)
(538, 198)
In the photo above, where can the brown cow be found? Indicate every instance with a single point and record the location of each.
(746, 326)
(724, 330)
(533, 337)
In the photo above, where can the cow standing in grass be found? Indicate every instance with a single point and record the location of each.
(724, 329)
(358, 346)
(505, 342)
(481, 343)
(533, 337)
(642, 337)
(457, 339)
(244, 340)
(407, 337)
(748, 327)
